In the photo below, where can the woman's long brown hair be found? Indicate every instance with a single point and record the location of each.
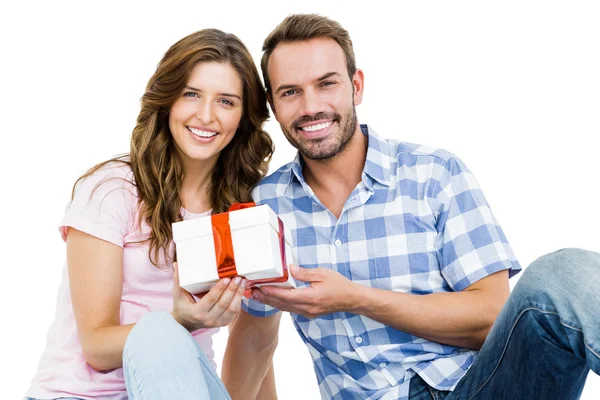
(156, 165)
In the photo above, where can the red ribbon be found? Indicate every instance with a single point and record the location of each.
(224, 247)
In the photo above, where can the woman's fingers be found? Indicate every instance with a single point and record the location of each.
(235, 305)
(211, 298)
(218, 307)
(228, 303)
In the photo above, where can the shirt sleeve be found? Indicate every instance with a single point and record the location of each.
(102, 206)
(257, 309)
(470, 244)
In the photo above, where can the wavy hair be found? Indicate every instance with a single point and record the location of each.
(156, 165)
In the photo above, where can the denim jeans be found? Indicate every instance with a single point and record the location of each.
(162, 360)
(545, 340)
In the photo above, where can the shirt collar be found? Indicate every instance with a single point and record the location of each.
(377, 163)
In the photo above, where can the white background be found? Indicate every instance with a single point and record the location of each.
(513, 88)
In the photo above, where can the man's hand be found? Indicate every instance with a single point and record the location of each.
(329, 292)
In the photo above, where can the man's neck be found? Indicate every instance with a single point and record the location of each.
(334, 179)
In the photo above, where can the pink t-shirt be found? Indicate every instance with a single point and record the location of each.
(109, 213)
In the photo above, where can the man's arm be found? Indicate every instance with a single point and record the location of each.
(460, 319)
(248, 360)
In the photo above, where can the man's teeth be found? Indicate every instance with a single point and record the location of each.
(201, 133)
(317, 127)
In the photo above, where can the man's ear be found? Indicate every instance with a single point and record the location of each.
(270, 100)
(358, 82)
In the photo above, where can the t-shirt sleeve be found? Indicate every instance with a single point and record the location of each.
(103, 206)
(470, 244)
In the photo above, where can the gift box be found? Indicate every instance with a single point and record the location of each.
(248, 241)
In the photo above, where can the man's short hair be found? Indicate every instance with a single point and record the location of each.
(300, 27)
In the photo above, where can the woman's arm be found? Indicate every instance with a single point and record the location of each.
(96, 282)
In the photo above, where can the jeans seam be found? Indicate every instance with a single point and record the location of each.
(508, 340)
(590, 349)
(584, 343)
(134, 378)
(214, 375)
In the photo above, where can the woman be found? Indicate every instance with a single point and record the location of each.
(198, 146)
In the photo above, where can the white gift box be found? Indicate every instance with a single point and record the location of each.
(256, 249)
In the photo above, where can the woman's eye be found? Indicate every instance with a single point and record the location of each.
(227, 102)
(190, 94)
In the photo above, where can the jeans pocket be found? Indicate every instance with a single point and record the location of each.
(438, 394)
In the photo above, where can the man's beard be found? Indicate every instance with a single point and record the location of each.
(325, 148)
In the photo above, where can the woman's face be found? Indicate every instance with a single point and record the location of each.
(205, 117)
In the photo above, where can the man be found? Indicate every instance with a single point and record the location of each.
(404, 268)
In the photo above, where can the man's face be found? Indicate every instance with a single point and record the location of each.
(313, 97)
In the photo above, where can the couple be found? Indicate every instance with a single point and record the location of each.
(405, 270)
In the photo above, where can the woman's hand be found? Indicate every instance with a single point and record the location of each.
(218, 307)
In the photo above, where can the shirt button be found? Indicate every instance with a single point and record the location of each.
(358, 339)
(382, 365)
(338, 243)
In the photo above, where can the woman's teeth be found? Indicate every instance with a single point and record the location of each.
(204, 134)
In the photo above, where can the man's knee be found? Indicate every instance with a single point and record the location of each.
(566, 263)
(563, 272)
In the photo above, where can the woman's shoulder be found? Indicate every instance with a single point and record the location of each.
(109, 185)
(119, 168)
(116, 174)
(103, 203)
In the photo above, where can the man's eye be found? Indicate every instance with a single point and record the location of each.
(289, 92)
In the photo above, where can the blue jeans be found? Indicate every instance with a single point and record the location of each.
(161, 360)
(545, 340)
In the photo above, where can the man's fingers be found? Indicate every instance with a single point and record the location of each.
(285, 295)
(284, 299)
(306, 274)
(262, 298)
(282, 303)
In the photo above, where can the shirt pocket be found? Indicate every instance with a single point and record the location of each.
(408, 266)
(389, 262)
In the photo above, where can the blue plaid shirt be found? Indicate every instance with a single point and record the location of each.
(417, 223)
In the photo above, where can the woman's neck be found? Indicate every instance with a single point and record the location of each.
(196, 186)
